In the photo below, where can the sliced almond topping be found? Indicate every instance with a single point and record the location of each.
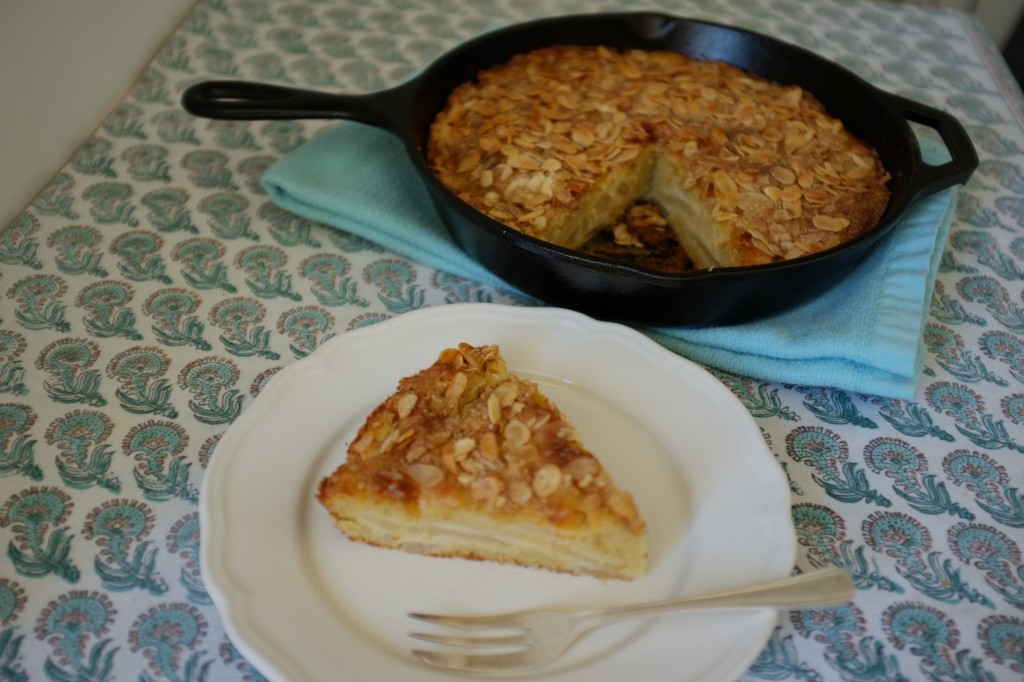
(546, 480)
(427, 475)
(828, 223)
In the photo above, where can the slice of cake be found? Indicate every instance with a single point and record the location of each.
(468, 460)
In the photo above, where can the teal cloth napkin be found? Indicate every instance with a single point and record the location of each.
(864, 335)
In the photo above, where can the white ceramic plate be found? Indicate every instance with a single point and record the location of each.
(304, 604)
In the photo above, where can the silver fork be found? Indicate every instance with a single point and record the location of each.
(523, 640)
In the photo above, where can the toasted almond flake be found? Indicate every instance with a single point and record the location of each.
(426, 475)
(828, 223)
(406, 404)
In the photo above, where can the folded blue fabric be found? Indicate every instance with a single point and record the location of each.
(864, 335)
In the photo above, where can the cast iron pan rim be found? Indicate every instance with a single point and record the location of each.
(893, 211)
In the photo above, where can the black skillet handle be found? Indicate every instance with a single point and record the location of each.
(241, 100)
(930, 179)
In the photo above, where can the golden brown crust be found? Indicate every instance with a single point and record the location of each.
(466, 435)
(776, 175)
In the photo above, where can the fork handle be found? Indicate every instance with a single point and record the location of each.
(827, 587)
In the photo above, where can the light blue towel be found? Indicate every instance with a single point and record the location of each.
(864, 335)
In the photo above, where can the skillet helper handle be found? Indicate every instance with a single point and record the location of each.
(930, 179)
(248, 101)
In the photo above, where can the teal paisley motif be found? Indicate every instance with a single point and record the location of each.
(1006, 348)
(18, 245)
(74, 624)
(268, 67)
(265, 272)
(335, 44)
(252, 170)
(69, 362)
(217, 61)
(238, 36)
(842, 630)
(226, 216)
(184, 540)
(174, 55)
(40, 546)
(989, 482)
(910, 544)
(990, 292)
(173, 321)
(57, 198)
(828, 454)
(151, 88)
(987, 139)
(255, 11)
(1012, 206)
(39, 305)
(929, 634)
(366, 320)
(165, 634)
(459, 289)
(823, 532)
(125, 121)
(288, 40)
(907, 466)
(384, 48)
(127, 561)
(93, 158)
(17, 447)
(970, 211)
(393, 279)
(110, 203)
(201, 265)
(242, 334)
(1009, 175)
(987, 252)
(174, 126)
(910, 419)
(161, 472)
(234, 135)
(139, 371)
(950, 310)
(833, 406)
(297, 15)
(139, 256)
(78, 251)
(210, 381)
(107, 313)
(331, 285)
(286, 228)
(364, 77)
(11, 603)
(948, 348)
(1001, 637)
(968, 409)
(12, 370)
(84, 459)
(207, 169)
(168, 210)
(757, 396)
(307, 327)
(147, 163)
(990, 550)
(313, 71)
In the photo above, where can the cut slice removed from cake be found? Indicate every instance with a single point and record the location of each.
(467, 459)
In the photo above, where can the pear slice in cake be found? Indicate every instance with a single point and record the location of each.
(466, 459)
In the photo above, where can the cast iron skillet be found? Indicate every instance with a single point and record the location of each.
(601, 287)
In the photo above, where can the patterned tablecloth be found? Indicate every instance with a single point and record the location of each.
(152, 288)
